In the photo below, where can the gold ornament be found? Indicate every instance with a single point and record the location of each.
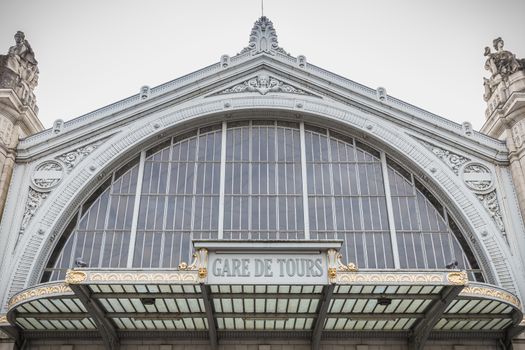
(459, 278)
(75, 277)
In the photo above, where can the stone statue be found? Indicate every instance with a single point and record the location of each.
(19, 69)
(500, 64)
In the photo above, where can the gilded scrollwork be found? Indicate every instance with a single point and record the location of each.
(459, 278)
(3, 319)
(335, 265)
(40, 291)
(199, 264)
(143, 277)
(75, 277)
(487, 291)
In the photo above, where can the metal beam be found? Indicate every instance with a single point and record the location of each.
(208, 307)
(321, 316)
(96, 311)
(15, 332)
(422, 328)
(264, 296)
(513, 330)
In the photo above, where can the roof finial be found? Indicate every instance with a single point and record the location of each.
(262, 8)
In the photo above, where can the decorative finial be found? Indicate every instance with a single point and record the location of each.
(263, 38)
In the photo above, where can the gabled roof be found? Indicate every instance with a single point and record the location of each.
(264, 68)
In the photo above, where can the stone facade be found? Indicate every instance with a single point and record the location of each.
(480, 178)
(18, 110)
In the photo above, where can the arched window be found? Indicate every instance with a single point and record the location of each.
(262, 180)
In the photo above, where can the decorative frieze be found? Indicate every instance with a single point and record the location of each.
(263, 84)
(72, 158)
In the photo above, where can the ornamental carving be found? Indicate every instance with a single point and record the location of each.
(390, 278)
(336, 265)
(75, 277)
(518, 134)
(47, 175)
(490, 202)
(501, 64)
(200, 263)
(71, 159)
(6, 128)
(491, 293)
(458, 278)
(34, 200)
(452, 160)
(263, 84)
(19, 70)
(3, 319)
(263, 38)
(142, 277)
(478, 178)
(46, 290)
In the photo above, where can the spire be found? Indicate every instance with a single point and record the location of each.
(263, 38)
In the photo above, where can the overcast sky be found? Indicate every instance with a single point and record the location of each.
(428, 53)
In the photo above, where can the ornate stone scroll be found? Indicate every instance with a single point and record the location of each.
(263, 38)
(19, 70)
(335, 265)
(263, 84)
(72, 158)
(490, 202)
(34, 200)
(501, 64)
(453, 160)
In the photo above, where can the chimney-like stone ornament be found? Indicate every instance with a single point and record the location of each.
(263, 38)
(19, 71)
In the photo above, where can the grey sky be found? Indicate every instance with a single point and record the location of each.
(428, 53)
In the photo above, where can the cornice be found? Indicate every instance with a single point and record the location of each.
(309, 76)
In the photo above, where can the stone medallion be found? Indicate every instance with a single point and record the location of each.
(47, 175)
(478, 177)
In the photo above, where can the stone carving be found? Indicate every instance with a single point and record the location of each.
(459, 278)
(34, 200)
(478, 178)
(263, 84)
(452, 160)
(500, 64)
(263, 38)
(518, 134)
(71, 159)
(19, 70)
(6, 127)
(75, 277)
(490, 202)
(47, 175)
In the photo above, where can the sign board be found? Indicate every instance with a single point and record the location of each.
(303, 268)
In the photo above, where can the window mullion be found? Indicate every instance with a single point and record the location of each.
(306, 217)
(390, 211)
(134, 222)
(222, 180)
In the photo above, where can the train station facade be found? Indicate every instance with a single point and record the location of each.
(262, 203)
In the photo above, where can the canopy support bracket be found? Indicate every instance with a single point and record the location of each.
(104, 325)
(422, 328)
(321, 316)
(208, 308)
(15, 332)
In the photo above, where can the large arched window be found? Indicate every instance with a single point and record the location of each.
(262, 180)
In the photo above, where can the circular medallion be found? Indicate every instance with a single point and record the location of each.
(478, 177)
(47, 175)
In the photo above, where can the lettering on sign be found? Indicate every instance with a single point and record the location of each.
(256, 268)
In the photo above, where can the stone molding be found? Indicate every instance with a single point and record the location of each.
(55, 213)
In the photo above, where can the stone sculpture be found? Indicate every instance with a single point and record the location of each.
(19, 70)
(500, 64)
